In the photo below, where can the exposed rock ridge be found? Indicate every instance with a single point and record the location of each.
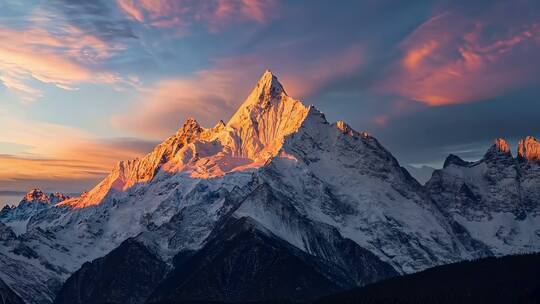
(254, 134)
(529, 149)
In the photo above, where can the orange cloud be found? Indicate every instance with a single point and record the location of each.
(414, 56)
(80, 155)
(454, 59)
(36, 54)
(209, 95)
(175, 13)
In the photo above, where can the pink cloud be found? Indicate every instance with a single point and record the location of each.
(455, 58)
(60, 59)
(208, 96)
(181, 13)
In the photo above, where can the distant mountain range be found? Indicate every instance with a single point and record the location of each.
(277, 203)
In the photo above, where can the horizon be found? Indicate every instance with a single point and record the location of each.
(85, 85)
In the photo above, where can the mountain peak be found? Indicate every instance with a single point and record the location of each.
(264, 119)
(254, 134)
(343, 127)
(267, 91)
(529, 149)
(453, 159)
(191, 124)
(500, 145)
(36, 195)
(268, 84)
(58, 197)
(499, 152)
(219, 126)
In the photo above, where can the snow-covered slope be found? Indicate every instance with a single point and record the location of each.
(253, 135)
(32, 203)
(334, 176)
(496, 198)
(328, 195)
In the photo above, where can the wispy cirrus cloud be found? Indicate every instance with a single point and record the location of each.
(99, 18)
(458, 57)
(183, 13)
(35, 154)
(47, 49)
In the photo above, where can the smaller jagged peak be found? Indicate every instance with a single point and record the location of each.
(499, 152)
(343, 127)
(190, 130)
(529, 149)
(269, 85)
(365, 135)
(501, 145)
(58, 197)
(219, 126)
(191, 124)
(36, 195)
(453, 159)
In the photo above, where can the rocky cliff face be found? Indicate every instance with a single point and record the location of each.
(529, 149)
(529, 163)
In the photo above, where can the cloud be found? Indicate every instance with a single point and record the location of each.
(48, 152)
(46, 49)
(458, 57)
(99, 18)
(183, 13)
(208, 96)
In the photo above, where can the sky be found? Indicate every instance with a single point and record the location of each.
(85, 84)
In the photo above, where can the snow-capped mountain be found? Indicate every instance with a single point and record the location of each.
(496, 198)
(239, 205)
(32, 203)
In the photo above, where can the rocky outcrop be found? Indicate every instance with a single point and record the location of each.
(529, 149)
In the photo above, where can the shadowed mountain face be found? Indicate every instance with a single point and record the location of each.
(7, 296)
(126, 275)
(242, 262)
(511, 279)
(278, 203)
(245, 262)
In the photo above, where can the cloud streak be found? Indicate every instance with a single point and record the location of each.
(50, 51)
(183, 13)
(456, 58)
(78, 156)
